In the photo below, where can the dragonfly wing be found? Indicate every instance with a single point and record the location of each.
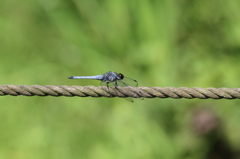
(103, 83)
(111, 84)
(121, 83)
(129, 99)
(129, 82)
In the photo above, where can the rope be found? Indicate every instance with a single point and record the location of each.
(134, 92)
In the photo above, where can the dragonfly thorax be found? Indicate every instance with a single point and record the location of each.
(112, 76)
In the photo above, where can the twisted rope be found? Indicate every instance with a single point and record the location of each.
(146, 92)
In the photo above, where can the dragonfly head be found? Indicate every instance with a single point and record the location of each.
(120, 76)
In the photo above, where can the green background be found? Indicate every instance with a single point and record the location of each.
(177, 43)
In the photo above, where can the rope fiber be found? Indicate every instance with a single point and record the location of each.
(122, 92)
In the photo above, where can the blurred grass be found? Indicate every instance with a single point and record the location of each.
(160, 43)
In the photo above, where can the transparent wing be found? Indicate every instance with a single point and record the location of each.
(122, 83)
(103, 83)
(109, 84)
(112, 85)
(129, 99)
(127, 82)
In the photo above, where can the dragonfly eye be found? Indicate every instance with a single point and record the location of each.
(121, 75)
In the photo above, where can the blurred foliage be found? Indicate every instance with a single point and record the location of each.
(185, 43)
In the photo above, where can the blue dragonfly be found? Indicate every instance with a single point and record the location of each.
(109, 78)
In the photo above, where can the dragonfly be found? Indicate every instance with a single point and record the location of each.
(109, 78)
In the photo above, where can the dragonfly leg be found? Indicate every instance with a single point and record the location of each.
(107, 85)
(116, 84)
